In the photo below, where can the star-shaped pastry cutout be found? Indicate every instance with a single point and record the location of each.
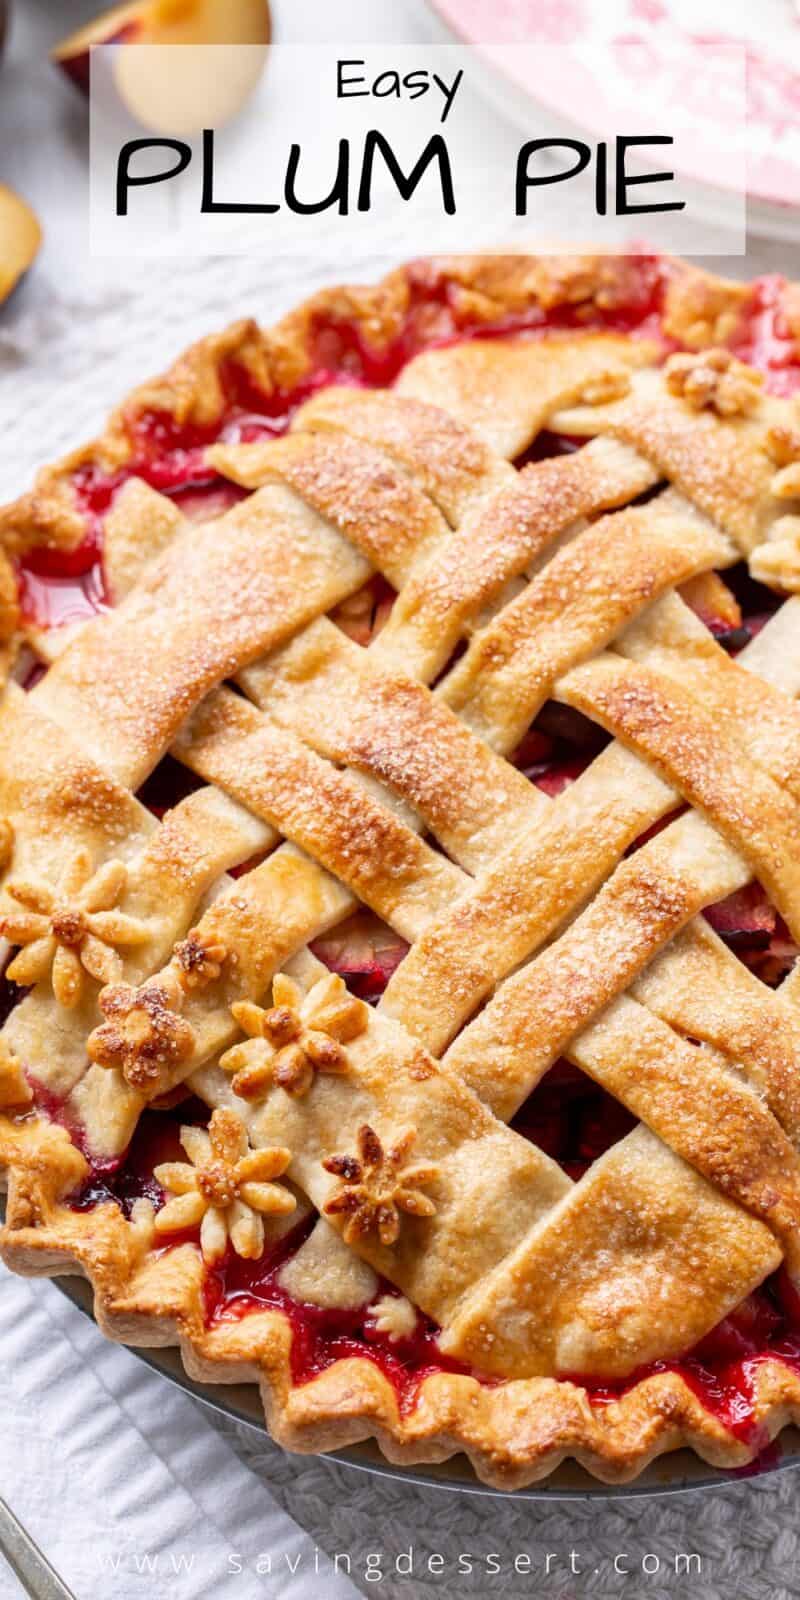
(377, 1185)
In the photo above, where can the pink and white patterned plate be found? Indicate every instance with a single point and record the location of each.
(672, 58)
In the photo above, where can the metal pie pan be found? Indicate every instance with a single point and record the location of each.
(678, 1472)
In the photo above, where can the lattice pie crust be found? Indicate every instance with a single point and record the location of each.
(380, 777)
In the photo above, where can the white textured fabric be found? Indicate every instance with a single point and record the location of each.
(120, 1477)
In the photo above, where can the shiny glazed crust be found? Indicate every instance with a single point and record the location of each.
(517, 1432)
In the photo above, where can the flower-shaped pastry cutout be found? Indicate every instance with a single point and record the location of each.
(296, 1038)
(198, 959)
(71, 929)
(143, 1035)
(376, 1185)
(715, 379)
(225, 1186)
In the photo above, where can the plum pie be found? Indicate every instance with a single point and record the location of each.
(400, 845)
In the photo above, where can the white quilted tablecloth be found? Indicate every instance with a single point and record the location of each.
(132, 1489)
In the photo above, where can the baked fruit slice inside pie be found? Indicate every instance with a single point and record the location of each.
(401, 865)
